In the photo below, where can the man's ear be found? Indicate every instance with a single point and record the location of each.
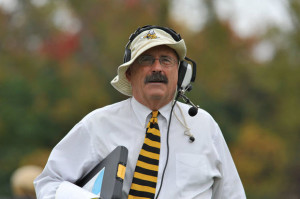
(128, 74)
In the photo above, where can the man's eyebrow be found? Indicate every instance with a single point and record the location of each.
(165, 56)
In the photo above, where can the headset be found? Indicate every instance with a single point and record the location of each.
(186, 72)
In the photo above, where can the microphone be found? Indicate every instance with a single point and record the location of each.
(193, 111)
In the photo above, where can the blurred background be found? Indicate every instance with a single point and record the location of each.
(57, 58)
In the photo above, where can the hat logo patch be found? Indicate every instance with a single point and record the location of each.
(150, 35)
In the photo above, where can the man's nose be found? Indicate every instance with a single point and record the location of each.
(156, 66)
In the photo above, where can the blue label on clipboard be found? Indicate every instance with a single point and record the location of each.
(98, 183)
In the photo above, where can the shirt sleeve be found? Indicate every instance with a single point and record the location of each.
(229, 185)
(69, 160)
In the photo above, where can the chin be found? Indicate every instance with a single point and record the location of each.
(157, 93)
(159, 96)
(156, 97)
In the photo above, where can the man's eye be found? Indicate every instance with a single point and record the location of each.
(166, 60)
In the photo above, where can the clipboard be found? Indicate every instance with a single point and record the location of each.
(107, 177)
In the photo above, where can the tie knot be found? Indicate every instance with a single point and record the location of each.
(154, 114)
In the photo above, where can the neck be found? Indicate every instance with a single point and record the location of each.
(154, 104)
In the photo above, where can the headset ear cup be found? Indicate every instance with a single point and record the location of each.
(185, 76)
(181, 73)
(127, 55)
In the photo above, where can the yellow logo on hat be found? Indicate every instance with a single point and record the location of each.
(151, 35)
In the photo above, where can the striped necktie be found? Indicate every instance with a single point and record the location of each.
(145, 174)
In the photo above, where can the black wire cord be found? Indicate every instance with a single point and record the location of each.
(167, 159)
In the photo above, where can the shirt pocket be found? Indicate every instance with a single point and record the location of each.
(192, 175)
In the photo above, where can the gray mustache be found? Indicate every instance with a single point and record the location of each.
(156, 77)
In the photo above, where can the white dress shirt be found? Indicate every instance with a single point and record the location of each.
(203, 169)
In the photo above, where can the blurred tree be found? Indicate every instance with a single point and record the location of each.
(44, 91)
(263, 179)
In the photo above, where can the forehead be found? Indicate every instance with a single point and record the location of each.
(161, 50)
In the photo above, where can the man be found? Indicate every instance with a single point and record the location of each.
(179, 168)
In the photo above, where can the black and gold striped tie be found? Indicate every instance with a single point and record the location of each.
(145, 174)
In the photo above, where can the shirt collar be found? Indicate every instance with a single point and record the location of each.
(142, 112)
